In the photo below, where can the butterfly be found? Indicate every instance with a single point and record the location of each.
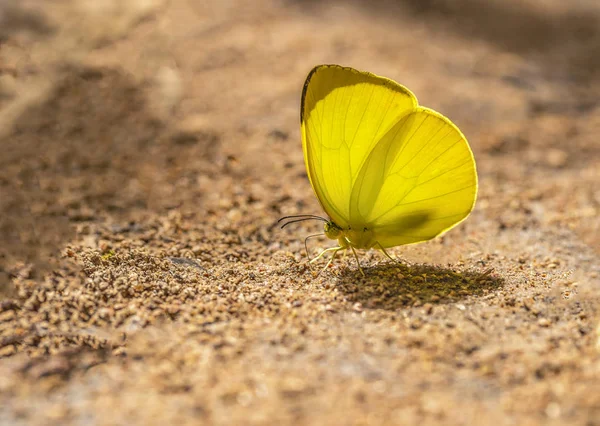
(386, 171)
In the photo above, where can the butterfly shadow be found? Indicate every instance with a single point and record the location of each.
(390, 286)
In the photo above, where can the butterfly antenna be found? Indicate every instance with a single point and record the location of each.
(300, 218)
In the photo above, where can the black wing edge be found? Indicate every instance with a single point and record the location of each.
(310, 76)
(305, 89)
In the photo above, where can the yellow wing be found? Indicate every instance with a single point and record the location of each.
(344, 114)
(417, 182)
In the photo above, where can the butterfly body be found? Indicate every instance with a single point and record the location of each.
(358, 238)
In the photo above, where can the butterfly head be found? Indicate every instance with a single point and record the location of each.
(332, 231)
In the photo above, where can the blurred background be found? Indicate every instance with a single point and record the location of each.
(153, 120)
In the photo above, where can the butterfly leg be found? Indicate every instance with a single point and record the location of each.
(320, 255)
(308, 238)
(335, 251)
(357, 261)
(383, 250)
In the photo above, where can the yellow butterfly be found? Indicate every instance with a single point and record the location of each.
(386, 171)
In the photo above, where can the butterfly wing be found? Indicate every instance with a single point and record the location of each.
(417, 182)
(344, 114)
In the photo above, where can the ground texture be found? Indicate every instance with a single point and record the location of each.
(148, 148)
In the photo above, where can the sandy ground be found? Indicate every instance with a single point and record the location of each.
(148, 148)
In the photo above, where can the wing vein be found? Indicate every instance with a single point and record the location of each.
(423, 147)
(418, 201)
(442, 174)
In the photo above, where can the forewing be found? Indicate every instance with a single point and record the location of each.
(418, 181)
(344, 114)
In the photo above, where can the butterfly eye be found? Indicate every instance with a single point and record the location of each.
(332, 231)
